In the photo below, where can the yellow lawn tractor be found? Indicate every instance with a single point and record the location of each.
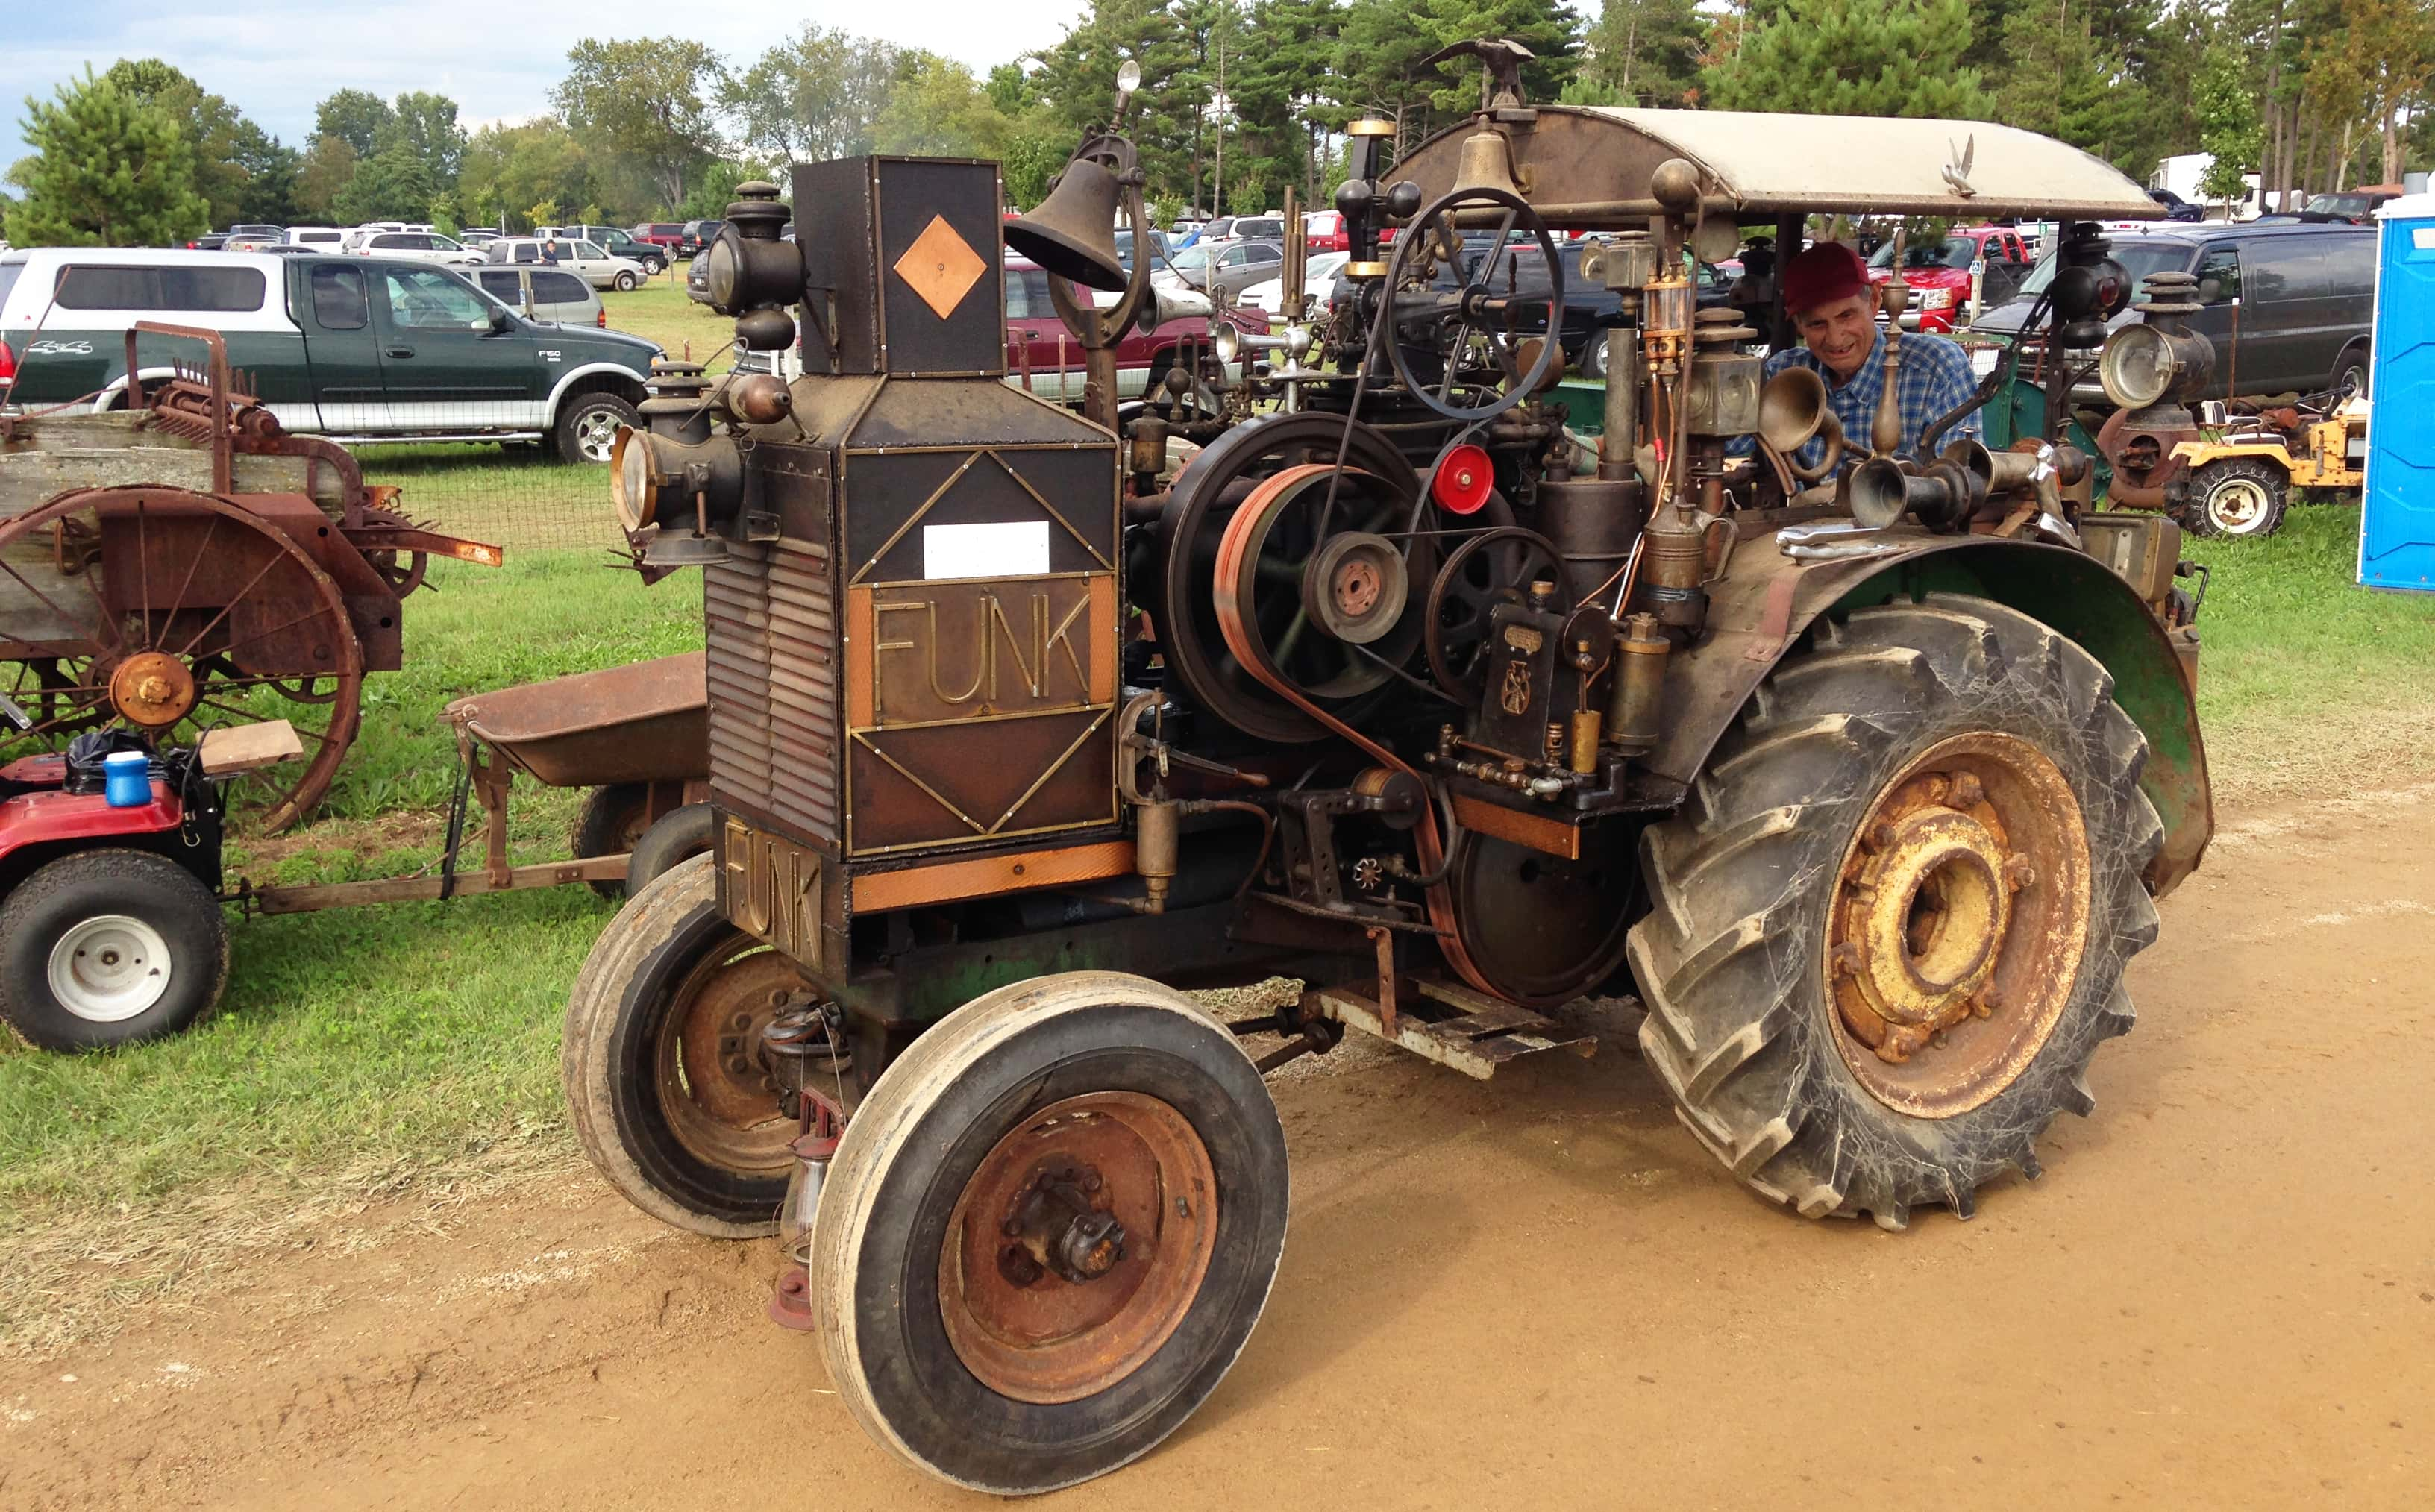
(2243, 467)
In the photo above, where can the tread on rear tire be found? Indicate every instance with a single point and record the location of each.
(1742, 1026)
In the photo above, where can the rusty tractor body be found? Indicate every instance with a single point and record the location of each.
(1860, 780)
(184, 562)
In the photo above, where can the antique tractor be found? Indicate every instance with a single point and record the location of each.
(1864, 788)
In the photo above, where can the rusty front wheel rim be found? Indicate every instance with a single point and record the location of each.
(1956, 924)
(1047, 1339)
(719, 1100)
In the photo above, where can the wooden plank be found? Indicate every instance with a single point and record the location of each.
(243, 747)
(32, 477)
(406, 889)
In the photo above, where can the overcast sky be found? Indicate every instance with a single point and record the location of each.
(275, 60)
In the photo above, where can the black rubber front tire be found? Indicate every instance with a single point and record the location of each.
(622, 1001)
(921, 1135)
(64, 911)
(587, 426)
(2349, 375)
(2240, 498)
(1592, 360)
(613, 820)
(1730, 958)
(675, 838)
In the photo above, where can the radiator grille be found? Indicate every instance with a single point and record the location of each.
(770, 618)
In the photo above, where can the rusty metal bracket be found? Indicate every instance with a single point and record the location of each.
(223, 463)
(430, 543)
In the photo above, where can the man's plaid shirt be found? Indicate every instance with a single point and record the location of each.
(1935, 378)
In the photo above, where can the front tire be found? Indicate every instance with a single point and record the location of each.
(660, 1061)
(107, 947)
(964, 1357)
(2240, 497)
(588, 428)
(1835, 905)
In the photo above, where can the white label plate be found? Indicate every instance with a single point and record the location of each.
(1013, 549)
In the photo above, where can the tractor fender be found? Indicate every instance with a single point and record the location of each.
(2198, 454)
(1763, 603)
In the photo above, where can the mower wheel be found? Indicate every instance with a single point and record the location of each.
(678, 836)
(1048, 1231)
(109, 948)
(661, 1066)
(1889, 926)
(2239, 496)
(614, 819)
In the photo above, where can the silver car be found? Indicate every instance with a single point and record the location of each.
(583, 259)
(542, 294)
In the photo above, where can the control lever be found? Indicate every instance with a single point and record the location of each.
(15, 715)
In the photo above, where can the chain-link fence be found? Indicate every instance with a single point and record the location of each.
(514, 494)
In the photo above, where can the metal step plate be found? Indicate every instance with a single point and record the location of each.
(1451, 1025)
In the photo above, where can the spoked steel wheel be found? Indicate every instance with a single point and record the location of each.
(169, 613)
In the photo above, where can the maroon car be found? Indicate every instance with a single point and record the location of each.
(665, 234)
(1041, 356)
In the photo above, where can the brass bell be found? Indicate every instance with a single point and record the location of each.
(1487, 163)
(1073, 235)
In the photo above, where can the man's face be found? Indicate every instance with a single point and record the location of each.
(1840, 331)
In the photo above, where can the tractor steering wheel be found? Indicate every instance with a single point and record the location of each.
(1473, 312)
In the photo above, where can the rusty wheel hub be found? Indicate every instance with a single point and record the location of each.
(1077, 1246)
(152, 689)
(1955, 927)
(720, 1099)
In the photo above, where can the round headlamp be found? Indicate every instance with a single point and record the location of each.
(2144, 365)
(633, 488)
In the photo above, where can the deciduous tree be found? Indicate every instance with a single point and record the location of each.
(815, 96)
(648, 100)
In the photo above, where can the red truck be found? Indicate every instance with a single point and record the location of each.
(1938, 272)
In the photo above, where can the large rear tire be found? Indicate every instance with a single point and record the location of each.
(1001, 1125)
(1932, 811)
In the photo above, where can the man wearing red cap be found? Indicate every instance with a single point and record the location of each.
(1826, 292)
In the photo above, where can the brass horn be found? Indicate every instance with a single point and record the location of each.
(1073, 233)
(1791, 409)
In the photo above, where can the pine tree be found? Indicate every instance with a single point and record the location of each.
(106, 171)
(1642, 52)
(1854, 57)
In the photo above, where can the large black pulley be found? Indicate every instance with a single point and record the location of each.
(1378, 503)
(1543, 929)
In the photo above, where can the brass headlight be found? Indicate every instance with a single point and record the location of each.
(633, 486)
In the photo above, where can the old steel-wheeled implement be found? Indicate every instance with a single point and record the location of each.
(1864, 783)
(185, 560)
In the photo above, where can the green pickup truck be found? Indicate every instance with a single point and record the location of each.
(357, 349)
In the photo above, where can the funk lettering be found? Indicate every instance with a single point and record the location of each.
(1005, 658)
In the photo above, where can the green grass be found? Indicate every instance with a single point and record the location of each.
(376, 1050)
(356, 1049)
(2301, 670)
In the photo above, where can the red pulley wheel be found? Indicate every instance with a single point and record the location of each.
(1463, 479)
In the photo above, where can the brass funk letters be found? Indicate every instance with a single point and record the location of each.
(772, 890)
(1009, 655)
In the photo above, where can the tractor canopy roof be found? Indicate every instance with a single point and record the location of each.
(1590, 167)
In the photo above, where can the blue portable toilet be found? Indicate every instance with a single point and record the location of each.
(2398, 526)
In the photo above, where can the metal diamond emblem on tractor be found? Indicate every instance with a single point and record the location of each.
(941, 267)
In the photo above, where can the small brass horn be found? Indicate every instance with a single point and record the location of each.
(1791, 409)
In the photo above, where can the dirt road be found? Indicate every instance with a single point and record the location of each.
(1537, 1292)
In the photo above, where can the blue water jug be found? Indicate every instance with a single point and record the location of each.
(126, 781)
